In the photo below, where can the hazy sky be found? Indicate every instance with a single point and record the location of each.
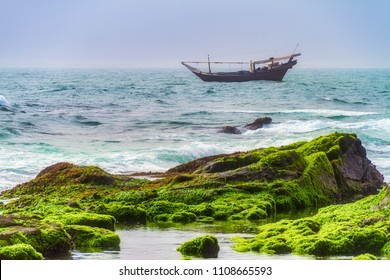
(136, 33)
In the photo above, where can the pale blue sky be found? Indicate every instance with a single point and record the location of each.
(136, 33)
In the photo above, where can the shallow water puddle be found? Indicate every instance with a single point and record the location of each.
(152, 243)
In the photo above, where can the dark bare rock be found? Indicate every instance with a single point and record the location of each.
(230, 130)
(258, 123)
(356, 168)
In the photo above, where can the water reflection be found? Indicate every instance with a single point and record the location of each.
(159, 241)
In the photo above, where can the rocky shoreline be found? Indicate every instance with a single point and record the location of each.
(68, 206)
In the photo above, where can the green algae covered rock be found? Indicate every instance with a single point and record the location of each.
(77, 204)
(361, 227)
(89, 219)
(88, 238)
(203, 247)
(61, 174)
(47, 238)
(365, 257)
(51, 239)
(328, 169)
(19, 252)
(126, 214)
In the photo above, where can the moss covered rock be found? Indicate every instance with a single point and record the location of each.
(202, 247)
(57, 235)
(365, 257)
(61, 174)
(248, 186)
(123, 213)
(89, 219)
(328, 169)
(48, 238)
(88, 238)
(350, 229)
(19, 252)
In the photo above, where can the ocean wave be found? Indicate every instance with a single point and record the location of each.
(27, 124)
(210, 91)
(328, 112)
(378, 141)
(338, 100)
(90, 123)
(305, 129)
(343, 101)
(196, 113)
(167, 122)
(294, 127)
(157, 159)
(113, 141)
(313, 112)
(4, 104)
(7, 132)
(60, 89)
(338, 117)
(373, 126)
(79, 119)
(5, 109)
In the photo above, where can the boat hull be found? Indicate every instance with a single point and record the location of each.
(275, 74)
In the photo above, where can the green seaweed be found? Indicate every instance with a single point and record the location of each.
(123, 213)
(89, 239)
(45, 238)
(88, 219)
(203, 247)
(365, 257)
(19, 252)
(349, 229)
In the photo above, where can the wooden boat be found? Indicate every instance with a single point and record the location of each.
(272, 69)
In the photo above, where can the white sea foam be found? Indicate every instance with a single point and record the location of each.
(314, 112)
(329, 112)
(4, 102)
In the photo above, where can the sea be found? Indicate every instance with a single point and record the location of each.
(141, 120)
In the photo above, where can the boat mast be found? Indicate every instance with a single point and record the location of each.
(208, 59)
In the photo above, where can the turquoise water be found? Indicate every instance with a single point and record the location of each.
(152, 119)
